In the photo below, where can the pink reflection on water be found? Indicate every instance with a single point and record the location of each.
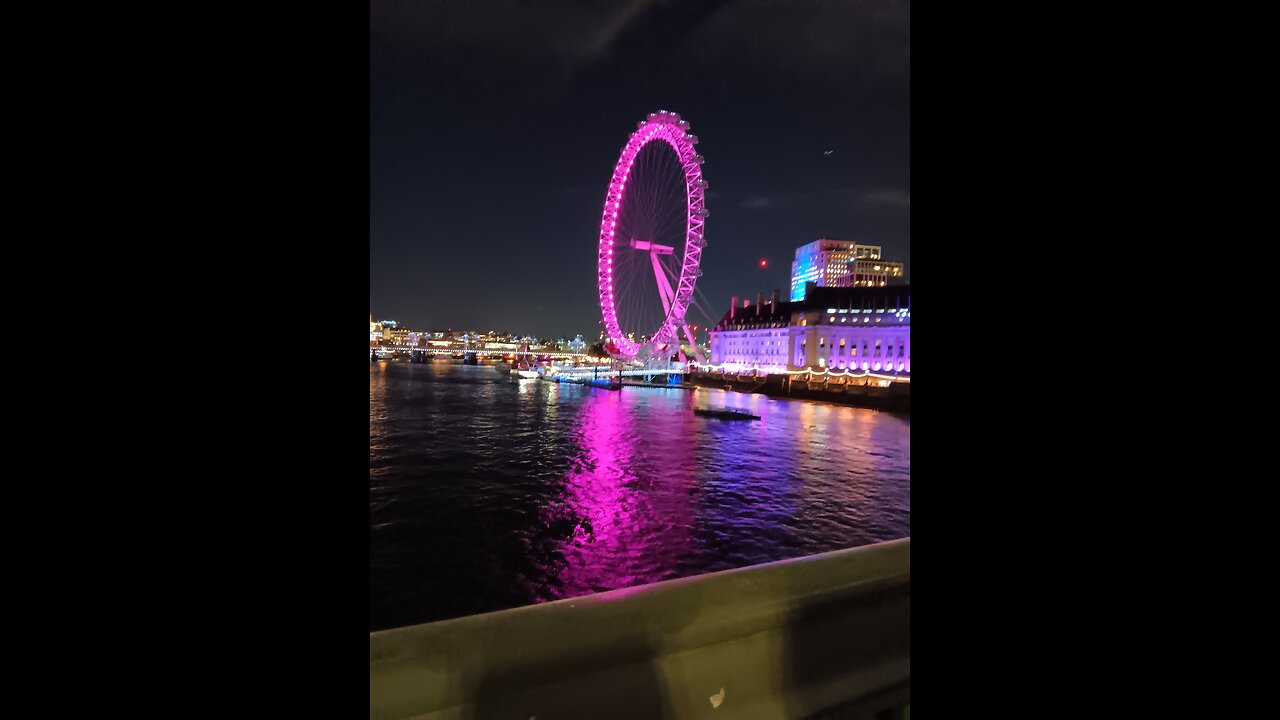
(626, 496)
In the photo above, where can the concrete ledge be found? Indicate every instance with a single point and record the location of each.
(797, 638)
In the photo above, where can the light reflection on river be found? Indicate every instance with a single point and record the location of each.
(486, 493)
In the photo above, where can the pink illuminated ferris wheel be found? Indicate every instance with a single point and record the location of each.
(651, 241)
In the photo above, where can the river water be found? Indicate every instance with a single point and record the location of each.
(487, 493)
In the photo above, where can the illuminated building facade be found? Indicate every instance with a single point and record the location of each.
(871, 273)
(841, 263)
(855, 328)
(823, 261)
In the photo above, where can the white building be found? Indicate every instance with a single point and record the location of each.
(862, 328)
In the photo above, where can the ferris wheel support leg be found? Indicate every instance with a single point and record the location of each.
(664, 286)
(697, 352)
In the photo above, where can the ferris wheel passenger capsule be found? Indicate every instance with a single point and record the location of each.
(699, 159)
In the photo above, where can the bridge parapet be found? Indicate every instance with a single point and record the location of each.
(826, 633)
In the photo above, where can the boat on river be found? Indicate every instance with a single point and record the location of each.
(725, 414)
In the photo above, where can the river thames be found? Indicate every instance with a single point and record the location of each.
(487, 493)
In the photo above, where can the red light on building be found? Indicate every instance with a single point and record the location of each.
(764, 263)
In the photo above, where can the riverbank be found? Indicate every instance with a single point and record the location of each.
(860, 391)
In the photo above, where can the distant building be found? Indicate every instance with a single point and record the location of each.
(863, 328)
(871, 273)
(828, 263)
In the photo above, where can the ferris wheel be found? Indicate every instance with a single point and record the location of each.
(651, 241)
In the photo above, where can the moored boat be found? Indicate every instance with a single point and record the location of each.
(725, 414)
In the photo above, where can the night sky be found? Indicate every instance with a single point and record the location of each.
(494, 128)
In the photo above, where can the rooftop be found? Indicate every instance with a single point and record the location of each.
(818, 298)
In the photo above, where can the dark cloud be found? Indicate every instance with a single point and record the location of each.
(895, 198)
(869, 39)
(779, 200)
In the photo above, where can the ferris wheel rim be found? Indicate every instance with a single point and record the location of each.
(659, 127)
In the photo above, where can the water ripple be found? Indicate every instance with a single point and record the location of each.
(486, 493)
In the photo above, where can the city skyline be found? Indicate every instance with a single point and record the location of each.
(488, 166)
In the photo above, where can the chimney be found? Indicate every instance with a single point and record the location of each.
(759, 301)
(733, 305)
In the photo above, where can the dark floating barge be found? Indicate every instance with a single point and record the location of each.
(725, 414)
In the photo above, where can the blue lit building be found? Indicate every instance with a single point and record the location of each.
(838, 263)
